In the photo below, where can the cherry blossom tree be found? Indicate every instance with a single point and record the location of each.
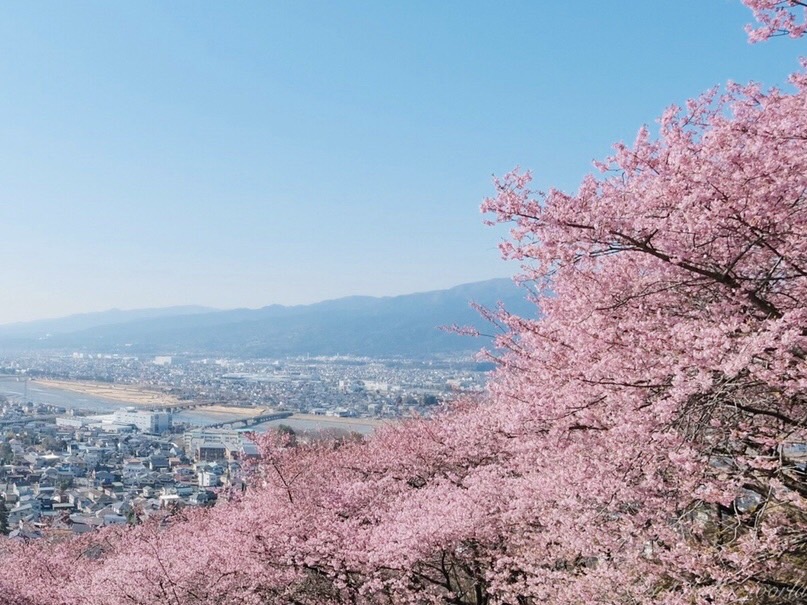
(777, 18)
(674, 342)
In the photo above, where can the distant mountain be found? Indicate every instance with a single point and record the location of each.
(83, 321)
(405, 325)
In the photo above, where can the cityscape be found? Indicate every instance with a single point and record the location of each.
(91, 440)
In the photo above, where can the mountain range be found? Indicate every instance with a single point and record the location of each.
(407, 325)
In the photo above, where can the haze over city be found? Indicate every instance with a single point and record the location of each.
(250, 153)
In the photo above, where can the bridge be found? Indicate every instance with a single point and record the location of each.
(27, 419)
(251, 421)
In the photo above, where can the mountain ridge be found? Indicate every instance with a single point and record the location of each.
(390, 325)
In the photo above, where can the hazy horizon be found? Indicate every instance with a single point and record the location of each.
(206, 308)
(244, 154)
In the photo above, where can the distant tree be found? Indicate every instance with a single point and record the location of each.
(53, 444)
(6, 453)
(285, 429)
(430, 400)
(4, 529)
(134, 516)
(287, 433)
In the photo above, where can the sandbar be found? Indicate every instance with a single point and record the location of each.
(142, 396)
(137, 395)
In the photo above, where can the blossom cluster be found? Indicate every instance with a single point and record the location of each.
(777, 18)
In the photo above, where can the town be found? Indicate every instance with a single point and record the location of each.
(91, 440)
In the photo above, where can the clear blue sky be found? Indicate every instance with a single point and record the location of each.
(247, 153)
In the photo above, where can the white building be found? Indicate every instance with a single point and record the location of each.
(143, 420)
(196, 437)
(205, 443)
(374, 385)
(75, 422)
(208, 479)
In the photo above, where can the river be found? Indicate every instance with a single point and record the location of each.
(69, 400)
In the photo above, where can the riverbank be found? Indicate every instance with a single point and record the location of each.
(103, 397)
(227, 410)
(340, 420)
(133, 395)
(126, 394)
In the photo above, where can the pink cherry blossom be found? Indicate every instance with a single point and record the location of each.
(777, 18)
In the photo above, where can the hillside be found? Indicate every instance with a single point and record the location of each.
(407, 325)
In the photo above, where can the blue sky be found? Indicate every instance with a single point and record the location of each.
(247, 153)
